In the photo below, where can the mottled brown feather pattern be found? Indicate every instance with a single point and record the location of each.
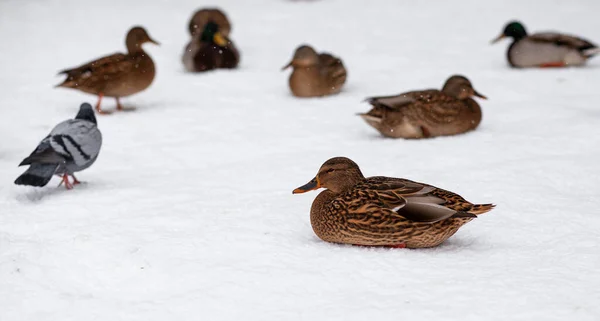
(316, 75)
(370, 212)
(426, 113)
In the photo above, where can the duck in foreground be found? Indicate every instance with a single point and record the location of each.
(210, 50)
(71, 146)
(383, 211)
(315, 74)
(547, 49)
(118, 75)
(427, 113)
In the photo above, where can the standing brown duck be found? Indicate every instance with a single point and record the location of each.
(383, 211)
(427, 113)
(206, 15)
(118, 75)
(315, 74)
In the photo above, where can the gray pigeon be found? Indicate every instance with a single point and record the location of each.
(71, 146)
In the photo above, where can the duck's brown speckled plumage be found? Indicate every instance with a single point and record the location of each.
(315, 74)
(384, 211)
(117, 75)
(427, 113)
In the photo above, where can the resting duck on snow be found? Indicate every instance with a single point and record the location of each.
(383, 211)
(118, 75)
(547, 49)
(210, 49)
(314, 74)
(427, 113)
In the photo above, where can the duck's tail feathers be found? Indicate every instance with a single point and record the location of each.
(591, 52)
(481, 208)
(37, 175)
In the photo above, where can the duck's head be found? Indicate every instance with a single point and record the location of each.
(513, 29)
(211, 34)
(305, 56)
(337, 174)
(136, 37)
(460, 87)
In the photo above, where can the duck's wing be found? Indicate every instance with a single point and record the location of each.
(332, 70)
(410, 200)
(96, 73)
(562, 40)
(399, 101)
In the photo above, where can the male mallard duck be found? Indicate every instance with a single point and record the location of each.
(210, 51)
(427, 113)
(118, 75)
(203, 16)
(315, 74)
(383, 211)
(548, 49)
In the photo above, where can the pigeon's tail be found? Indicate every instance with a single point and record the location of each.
(37, 175)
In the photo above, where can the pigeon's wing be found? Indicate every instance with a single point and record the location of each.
(44, 154)
(79, 140)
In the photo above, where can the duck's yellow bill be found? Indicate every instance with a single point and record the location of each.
(312, 185)
(500, 37)
(219, 39)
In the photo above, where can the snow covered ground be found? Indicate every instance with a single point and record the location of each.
(188, 213)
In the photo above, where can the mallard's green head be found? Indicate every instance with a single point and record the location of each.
(211, 34)
(513, 29)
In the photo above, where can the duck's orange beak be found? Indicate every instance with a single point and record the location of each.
(287, 66)
(312, 185)
(500, 37)
(220, 40)
(475, 93)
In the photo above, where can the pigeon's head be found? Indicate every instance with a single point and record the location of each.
(86, 112)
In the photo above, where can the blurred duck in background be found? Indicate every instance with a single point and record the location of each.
(210, 47)
(545, 49)
(315, 74)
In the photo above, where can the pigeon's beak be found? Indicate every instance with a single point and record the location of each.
(500, 37)
(312, 185)
(287, 66)
(476, 94)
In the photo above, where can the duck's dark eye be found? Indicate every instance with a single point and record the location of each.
(329, 170)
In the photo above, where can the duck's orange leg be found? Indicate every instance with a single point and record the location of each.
(119, 106)
(553, 64)
(98, 109)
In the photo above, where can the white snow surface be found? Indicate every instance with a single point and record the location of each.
(188, 213)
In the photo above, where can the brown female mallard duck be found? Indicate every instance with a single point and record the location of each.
(547, 49)
(203, 16)
(383, 211)
(427, 113)
(118, 75)
(315, 74)
(211, 50)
